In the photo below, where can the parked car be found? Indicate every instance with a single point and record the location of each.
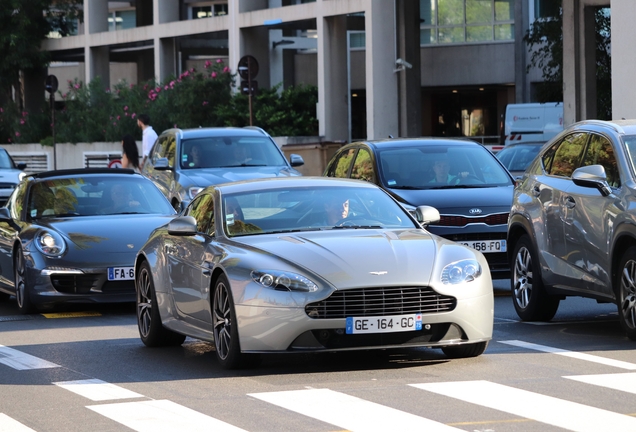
(572, 229)
(309, 264)
(474, 199)
(10, 175)
(517, 156)
(71, 236)
(184, 161)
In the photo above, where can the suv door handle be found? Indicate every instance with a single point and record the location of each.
(569, 202)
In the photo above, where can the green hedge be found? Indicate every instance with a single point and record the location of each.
(193, 99)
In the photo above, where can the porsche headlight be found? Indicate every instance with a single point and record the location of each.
(50, 243)
(193, 191)
(461, 271)
(283, 281)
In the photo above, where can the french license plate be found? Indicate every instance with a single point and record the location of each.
(121, 273)
(486, 246)
(384, 324)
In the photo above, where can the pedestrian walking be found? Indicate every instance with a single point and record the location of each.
(149, 136)
(130, 153)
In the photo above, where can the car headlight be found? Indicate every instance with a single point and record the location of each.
(461, 271)
(193, 191)
(283, 281)
(50, 243)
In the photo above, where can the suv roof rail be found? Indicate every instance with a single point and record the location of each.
(256, 128)
(607, 123)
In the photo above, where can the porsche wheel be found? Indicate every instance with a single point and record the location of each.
(151, 331)
(626, 292)
(226, 341)
(466, 350)
(529, 296)
(22, 296)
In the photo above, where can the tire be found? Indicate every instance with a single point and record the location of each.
(625, 288)
(226, 340)
(22, 296)
(465, 351)
(529, 296)
(151, 331)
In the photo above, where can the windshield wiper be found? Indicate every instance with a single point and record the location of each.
(460, 186)
(358, 227)
(408, 187)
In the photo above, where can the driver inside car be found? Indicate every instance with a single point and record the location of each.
(336, 209)
(441, 168)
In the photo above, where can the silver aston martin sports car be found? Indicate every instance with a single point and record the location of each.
(309, 264)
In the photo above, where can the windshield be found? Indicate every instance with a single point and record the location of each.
(630, 145)
(519, 156)
(301, 209)
(229, 152)
(95, 195)
(5, 160)
(441, 167)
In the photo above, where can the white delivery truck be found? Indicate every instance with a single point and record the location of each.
(533, 122)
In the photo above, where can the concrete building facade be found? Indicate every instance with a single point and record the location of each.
(382, 67)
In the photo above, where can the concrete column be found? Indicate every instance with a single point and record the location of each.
(381, 81)
(333, 97)
(165, 58)
(255, 42)
(234, 41)
(588, 65)
(165, 11)
(276, 58)
(98, 64)
(623, 59)
(522, 86)
(571, 55)
(95, 16)
(409, 79)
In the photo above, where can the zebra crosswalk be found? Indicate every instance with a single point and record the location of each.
(341, 410)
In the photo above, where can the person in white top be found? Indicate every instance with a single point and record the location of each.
(149, 136)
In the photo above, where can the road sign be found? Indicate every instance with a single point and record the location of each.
(248, 67)
(115, 163)
(246, 89)
(51, 84)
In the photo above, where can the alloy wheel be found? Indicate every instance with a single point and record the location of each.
(523, 277)
(222, 321)
(144, 302)
(20, 283)
(628, 294)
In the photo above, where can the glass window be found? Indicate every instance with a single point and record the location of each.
(466, 21)
(230, 152)
(363, 167)
(120, 20)
(340, 167)
(546, 8)
(600, 152)
(567, 155)
(202, 209)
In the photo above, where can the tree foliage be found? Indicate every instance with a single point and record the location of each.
(544, 40)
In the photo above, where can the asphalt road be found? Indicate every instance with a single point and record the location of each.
(91, 372)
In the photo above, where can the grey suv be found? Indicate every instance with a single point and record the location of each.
(572, 226)
(184, 161)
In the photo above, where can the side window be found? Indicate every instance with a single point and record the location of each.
(171, 149)
(363, 167)
(600, 152)
(159, 149)
(202, 209)
(340, 167)
(567, 155)
(16, 201)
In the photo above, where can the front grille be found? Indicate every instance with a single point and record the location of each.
(88, 283)
(7, 185)
(456, 220)
(465, 237)
(366, 302)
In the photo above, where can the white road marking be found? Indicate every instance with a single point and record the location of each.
(7, 424)
(573, 354)
(349, 412)
(22, 361)
(545, 409)
(161, 415)
(97, 390)
(621, 381)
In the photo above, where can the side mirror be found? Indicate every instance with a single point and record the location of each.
(183, 226)
(427, 215)
(592, 176)
(296, 160)
(21, 165)
(4, 214)
(162, 164)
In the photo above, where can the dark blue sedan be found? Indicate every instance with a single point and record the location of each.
(467, 184)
